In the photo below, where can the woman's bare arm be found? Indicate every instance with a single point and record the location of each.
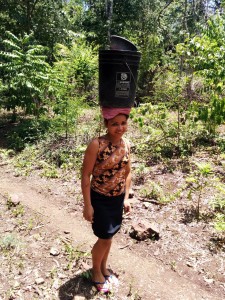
(87, 169)
(127, 206)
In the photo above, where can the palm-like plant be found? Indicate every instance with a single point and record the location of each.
(25, 75)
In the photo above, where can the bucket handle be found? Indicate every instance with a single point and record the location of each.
(135, 83)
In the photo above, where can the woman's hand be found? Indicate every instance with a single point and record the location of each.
(88, 213)
(127, 206)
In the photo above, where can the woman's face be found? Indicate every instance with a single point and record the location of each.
(117, 126)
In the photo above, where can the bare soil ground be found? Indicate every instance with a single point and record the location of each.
(45, 245)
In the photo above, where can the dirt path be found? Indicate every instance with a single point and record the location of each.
(147, 276)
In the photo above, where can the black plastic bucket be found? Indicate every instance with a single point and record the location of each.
(118, 72)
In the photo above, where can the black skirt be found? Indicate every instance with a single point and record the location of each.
(108, 212)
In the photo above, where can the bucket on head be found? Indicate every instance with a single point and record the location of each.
(118, 72)
(120, 43)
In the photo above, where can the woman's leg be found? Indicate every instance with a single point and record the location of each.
(108, 275)
(100, 252)
(104, 260)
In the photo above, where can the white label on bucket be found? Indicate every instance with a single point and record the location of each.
(122, 84)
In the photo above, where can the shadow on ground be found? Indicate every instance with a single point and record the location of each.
(79, 285)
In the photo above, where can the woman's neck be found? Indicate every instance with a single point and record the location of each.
(113, 140)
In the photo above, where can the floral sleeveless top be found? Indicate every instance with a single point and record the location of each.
(108, 176)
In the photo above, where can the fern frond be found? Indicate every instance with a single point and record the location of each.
(35, 50)
(8, 55)
(30, 85)
(18, 53)
(27, 38)
(36, 57)
(21, 75)
(13, 37)
(11, 44)
(40, 63)
(6, 65)
(43, 77)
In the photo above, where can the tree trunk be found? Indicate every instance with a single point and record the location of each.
(109, 14)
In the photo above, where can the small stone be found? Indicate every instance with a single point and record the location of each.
(16, 285)
(85, 266)
(62, 276)
(79, 297)
(39, 280)
(156, 253)
(189, 264)
(54, 251)
(209, 280)
(146, 204)
(14, 199)
(56, 284)
(28, 288)
(78, 272)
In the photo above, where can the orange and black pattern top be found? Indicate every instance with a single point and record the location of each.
(108, 176)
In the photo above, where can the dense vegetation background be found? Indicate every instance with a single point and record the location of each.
(49, 81)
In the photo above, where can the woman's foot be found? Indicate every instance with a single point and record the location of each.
(110, 277)
(102, 287)
(100, 282)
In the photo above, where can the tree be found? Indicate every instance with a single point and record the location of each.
(204, 55)
(47, 19)
(25, 80)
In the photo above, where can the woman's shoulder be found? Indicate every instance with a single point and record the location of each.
(103, 140)
(93, 144)
(98, 141)
(94, 141)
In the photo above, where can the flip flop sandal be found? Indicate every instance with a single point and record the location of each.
(112, 279)
(102, 289)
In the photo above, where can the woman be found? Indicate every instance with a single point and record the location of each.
(106, 179)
